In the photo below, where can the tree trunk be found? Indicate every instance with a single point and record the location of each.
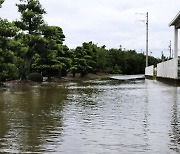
(60, 75)
(27, 65)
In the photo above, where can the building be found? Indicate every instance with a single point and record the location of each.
(168, 70)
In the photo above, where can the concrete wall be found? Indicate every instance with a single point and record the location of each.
(168, 69)
(149, 70)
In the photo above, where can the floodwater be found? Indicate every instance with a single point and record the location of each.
(91, 117)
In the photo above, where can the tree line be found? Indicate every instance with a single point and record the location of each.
(31, 45)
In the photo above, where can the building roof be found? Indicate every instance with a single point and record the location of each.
(176, 21)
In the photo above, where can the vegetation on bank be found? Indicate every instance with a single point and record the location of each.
(29, 47)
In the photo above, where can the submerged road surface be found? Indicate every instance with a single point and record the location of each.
(92, 117)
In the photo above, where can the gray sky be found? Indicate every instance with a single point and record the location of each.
(109, 22)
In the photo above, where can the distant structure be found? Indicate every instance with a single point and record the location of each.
(176, 23)
(169, 70)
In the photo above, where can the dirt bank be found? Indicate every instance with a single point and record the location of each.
(19, 83)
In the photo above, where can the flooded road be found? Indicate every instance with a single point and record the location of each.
(91, 117)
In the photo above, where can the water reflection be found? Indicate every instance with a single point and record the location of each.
(98, 116)
(175, 123)
(31, 118)
(163, 106)
(130, 117)
(3, 126)
(105, 117)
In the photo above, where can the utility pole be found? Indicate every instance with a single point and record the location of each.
(170, 49)
(147, 24)
(147, 29)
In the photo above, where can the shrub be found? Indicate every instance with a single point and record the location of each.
(36, 77)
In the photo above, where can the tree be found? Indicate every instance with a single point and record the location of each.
(8, 69)
(101, 60)
(90, 50)
(84, 60)
(19, 49)
(53, 57)
(79, 64)
(1, 1)
(65, 56)
(115, 61)
(31, 22)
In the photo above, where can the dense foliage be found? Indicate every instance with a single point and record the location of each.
(30, 45)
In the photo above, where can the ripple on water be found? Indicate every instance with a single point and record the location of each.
(94, 117)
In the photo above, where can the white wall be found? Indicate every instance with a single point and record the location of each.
(149, 70)
(168, 69)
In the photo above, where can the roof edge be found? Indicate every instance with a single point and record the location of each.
(174, 20)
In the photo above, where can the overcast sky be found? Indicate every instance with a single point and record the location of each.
(109, 22)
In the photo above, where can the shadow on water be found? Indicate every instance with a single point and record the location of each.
(29, 118)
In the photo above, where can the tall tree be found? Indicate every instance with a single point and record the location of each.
(80, 62)
(1, 1)
(8, 69)
(90, 50)
(31, 22)
(53, 56)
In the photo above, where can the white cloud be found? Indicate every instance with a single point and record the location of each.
(109, 22)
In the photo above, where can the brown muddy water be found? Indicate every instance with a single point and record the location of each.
(91, 117)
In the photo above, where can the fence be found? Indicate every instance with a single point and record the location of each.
(149, 71)
(168, 69)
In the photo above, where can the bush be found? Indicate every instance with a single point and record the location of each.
(117, 70)
(36, 77)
